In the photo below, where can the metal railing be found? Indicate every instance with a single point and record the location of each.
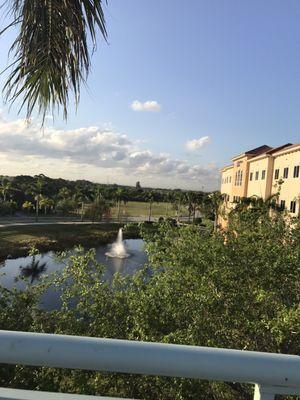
(270, 373)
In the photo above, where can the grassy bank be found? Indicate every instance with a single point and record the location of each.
(18, 240)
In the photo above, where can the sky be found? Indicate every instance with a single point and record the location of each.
(179, 89)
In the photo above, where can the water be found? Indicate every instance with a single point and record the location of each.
(33, 268)
(118, 248)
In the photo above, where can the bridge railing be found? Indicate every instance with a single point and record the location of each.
(270, 373)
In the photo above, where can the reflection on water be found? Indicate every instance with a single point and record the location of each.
(33, 270)
(33, 267)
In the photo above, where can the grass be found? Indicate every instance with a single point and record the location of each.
(141, 209)
(18, 240)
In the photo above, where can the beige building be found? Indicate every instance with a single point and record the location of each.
(262, 172)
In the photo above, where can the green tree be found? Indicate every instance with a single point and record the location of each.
(150, 199)
(46, 203)
(64, 193)
(51, 51)
(6, 189)
(99, 207)
(36, 190)
(81, 195)
(214, 204)
(27, 206)
(119, 193)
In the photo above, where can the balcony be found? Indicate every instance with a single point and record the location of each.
(271, 374)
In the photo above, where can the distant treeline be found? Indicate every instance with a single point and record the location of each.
(24, 188)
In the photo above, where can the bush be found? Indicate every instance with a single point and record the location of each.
(66, 206)
(8, 208)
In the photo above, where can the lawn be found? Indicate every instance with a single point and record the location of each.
(141, 209)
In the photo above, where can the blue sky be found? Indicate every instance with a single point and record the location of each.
(226, 69)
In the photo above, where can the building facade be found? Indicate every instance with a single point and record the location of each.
(263, 172)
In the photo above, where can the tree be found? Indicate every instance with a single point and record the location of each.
(47, 203)
(119, 196)
(36, 190)
(81, 195)
(64, 193)
(27, 206)
(51, 51)
(98, 208)
(150, 199)
(178, 200)
(214, 202)
(6, 189)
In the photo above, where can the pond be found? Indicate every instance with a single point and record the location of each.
(13, 269)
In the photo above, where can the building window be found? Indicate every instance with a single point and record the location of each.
(282, 205)
(296, 171)
(276, 173)
(251, 176)
(238, 178)
(286, 173)
(256, 175)
(230, 179)
(293, 207)
(263, 174)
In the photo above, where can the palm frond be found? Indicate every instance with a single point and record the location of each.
(51, 51)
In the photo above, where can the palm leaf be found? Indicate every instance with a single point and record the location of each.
(51, 51)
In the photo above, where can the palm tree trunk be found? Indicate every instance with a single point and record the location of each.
(119, 210)
(178, 212)
(125, 210)
(216, 222)
(37, 205)
(150, 210)
(82, 211)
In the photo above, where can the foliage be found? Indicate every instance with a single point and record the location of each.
(7, 207)
(25, 188)
(239, 289)
(66, 206)
(98, 209)
(51, 51)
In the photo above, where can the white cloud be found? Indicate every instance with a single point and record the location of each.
(196, 144)
(150, 105)
(94, 153)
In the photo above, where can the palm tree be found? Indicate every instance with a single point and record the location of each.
(119, 196)
(27, 205)
(64, 193)
(81, 196)
(215, 201)
(51, 51)
(150, 198)
(36, 190)
(168, 199)
(178, 200)
(6, 188)
(46, 202)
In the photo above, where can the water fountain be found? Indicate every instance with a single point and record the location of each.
(118, 249)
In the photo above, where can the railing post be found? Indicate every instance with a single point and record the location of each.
(261, 393)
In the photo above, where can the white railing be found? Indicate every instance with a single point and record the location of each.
(270, 373)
